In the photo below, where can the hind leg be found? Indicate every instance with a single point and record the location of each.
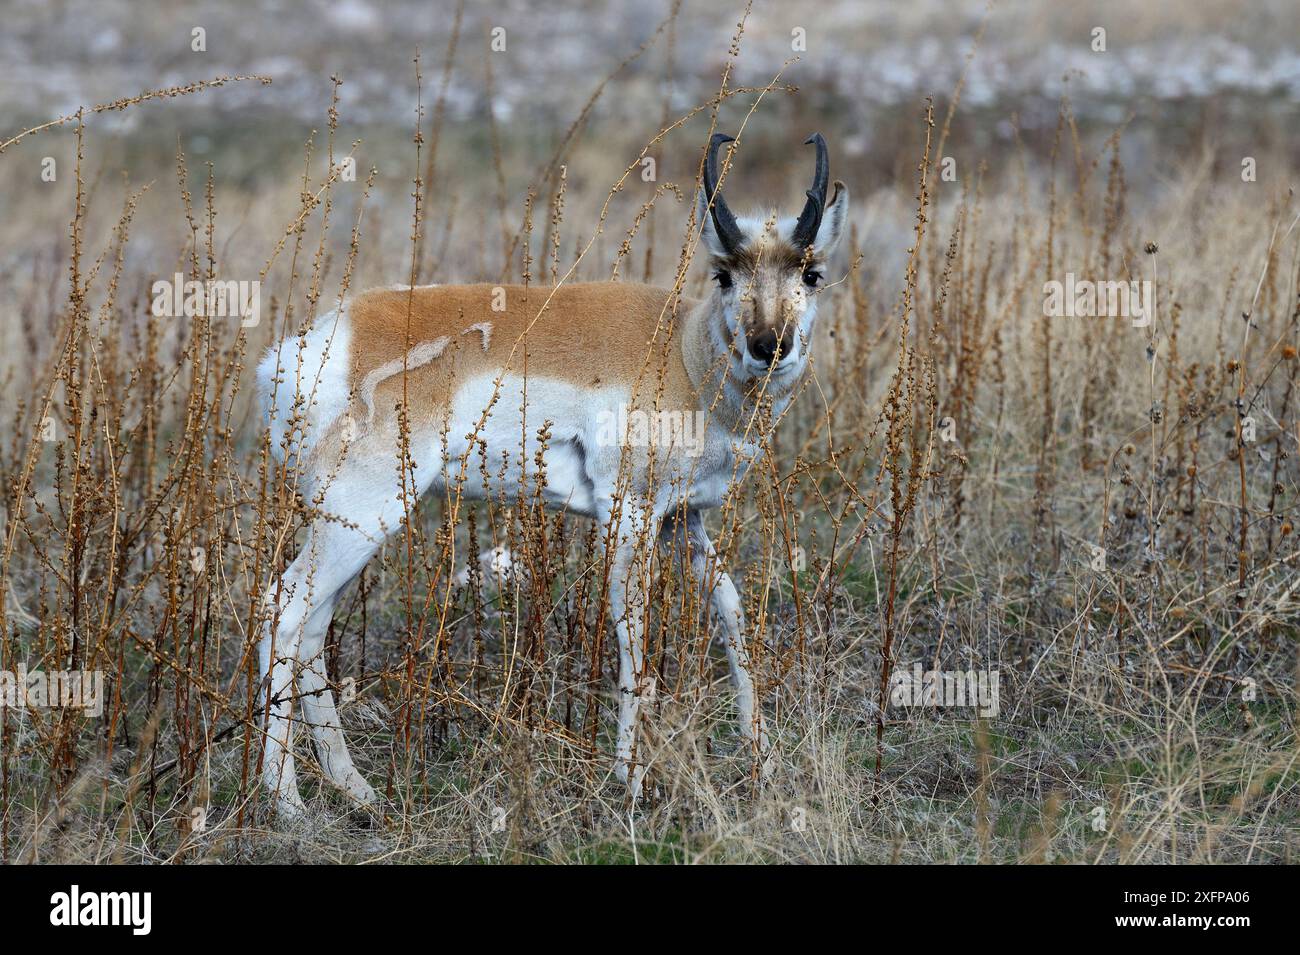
(277, 654)
(321, 716)
(363, 505)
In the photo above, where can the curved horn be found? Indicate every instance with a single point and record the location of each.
(810, 220)
(724, 223)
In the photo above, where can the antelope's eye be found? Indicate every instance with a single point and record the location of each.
(811, 277)
(723, 277)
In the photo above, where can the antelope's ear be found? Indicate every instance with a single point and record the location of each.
(834, 217)
(708, 231)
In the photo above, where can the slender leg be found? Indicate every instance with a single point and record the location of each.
(627, 593)
(334, 553)
(707, 571)
(277, 665)
(321, 716)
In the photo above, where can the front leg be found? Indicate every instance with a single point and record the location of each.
(706, 569)
(627, 597)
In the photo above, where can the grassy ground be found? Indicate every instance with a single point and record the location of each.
(938, 495)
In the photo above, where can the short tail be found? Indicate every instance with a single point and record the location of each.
(309, 373)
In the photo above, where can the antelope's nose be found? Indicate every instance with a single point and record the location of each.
(766, 347)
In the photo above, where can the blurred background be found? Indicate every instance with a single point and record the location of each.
(1176, 66)
(1187, 81)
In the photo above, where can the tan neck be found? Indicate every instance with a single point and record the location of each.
(699, 350)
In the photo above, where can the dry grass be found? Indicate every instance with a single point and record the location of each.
(142, 538)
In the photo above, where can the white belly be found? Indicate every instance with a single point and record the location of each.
(512, 442)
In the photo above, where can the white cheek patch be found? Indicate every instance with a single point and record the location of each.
(796, 350)
(803, 339)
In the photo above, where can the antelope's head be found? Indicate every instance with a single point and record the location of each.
(769, 271)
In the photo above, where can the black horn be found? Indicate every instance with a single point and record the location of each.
(724, 223)
(810, 220)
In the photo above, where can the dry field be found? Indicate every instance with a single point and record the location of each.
(1096, 509)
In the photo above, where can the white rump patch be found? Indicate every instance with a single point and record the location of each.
(485, 329)
(313, 367)
(418, 356)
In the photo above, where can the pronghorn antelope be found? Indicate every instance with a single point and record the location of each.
(444, 365)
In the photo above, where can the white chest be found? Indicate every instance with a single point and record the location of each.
(726, 463)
